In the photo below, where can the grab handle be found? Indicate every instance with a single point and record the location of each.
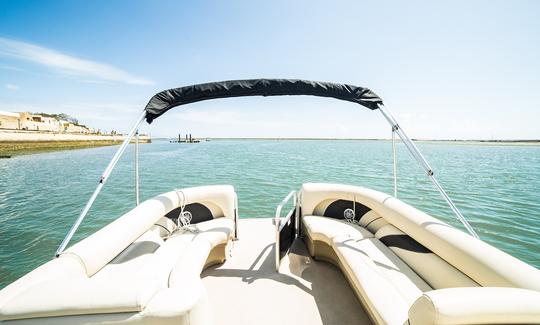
(280, 223)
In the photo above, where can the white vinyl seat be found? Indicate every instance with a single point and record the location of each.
(130, 282)
(387, 284)
(407, 267)
(133, 270)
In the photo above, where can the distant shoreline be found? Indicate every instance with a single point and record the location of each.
(11, 149)
(31, 142)
(24, 147)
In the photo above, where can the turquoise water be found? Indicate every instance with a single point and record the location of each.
(496, 187)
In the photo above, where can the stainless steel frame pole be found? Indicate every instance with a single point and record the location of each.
(413, 150)
(297, 215)
(102, 181)
(236, 217)
(395, 161)
(137, 167)
(277, 221)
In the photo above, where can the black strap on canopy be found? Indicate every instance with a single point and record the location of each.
(167, 99)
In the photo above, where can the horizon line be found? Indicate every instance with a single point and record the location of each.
(364, 139)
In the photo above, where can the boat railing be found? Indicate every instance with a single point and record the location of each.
(103, 180)
(417, 155)
(287, 221)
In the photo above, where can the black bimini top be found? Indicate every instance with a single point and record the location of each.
(167, 99)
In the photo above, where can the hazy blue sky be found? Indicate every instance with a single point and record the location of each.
(468, 69)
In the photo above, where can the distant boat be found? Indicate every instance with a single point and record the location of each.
(187, 139)
(184, 141)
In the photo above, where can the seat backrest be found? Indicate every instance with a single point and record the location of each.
(483, 263)
(206, 202)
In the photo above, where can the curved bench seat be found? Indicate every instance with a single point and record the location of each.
(370, 266)
(397, 259)
(153, 279)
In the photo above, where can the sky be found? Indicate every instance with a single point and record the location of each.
(447, 70)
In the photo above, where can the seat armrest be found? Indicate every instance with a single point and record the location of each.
(476, 305)
(185, 304)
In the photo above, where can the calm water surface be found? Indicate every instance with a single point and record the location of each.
(496, 187)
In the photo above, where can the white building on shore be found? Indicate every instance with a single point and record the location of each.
(40, 122)
(10, 120)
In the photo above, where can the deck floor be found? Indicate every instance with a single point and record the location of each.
(246, 289)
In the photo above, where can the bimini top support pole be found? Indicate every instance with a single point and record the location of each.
(417, 155)
(137, 199)
(102, 181)
(394, 159)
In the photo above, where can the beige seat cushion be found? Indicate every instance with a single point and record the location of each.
(386, 284)
(431, 268)
(216, 231)
(480, 305)
(325, 229)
